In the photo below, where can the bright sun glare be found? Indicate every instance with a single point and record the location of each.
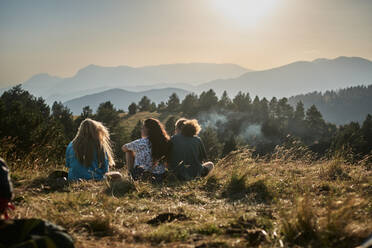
(245, 12)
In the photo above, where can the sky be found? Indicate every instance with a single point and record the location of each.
(61, 37)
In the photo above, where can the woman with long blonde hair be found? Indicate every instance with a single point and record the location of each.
(89, 154)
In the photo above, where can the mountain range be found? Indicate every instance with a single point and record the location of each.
(297, 78)
(121, 98)
(94, 79)
(123, 84)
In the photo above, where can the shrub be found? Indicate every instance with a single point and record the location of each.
(300, 227)
(334, 170)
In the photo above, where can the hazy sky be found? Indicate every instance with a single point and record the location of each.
(61, 37)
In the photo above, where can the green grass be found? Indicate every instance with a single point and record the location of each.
(244, 202)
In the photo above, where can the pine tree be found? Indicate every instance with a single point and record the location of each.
(152, 107)
(190, 105)
(229, 146)
(207, 100)
(225, 101)
(86, 113)
(173, 103)
(161, 107)
(299, 113)
(107, 114)
(144, 104)
(242, 102)
(136, 132)
(63, 115)
(315, 124)
(132, 109)
(212, 145)
(366, 131)
(170, 125)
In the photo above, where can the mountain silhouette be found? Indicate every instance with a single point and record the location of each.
(93, 79)
(121, 98)
(299, 77)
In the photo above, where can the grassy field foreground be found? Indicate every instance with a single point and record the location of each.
(245, 202)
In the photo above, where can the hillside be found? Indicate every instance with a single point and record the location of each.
(93, 79)
(121, 98)
(340, 106)
(298, 77)
(244, 202)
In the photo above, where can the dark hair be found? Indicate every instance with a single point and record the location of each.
(179, 123)
(159, 139)
(190, 128)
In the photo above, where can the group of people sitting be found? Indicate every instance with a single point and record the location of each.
(89, 155)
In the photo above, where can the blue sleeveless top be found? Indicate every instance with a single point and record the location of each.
(78, 171)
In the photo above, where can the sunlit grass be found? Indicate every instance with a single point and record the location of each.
(243, 202)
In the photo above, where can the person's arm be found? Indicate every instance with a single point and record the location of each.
(124, 149)
(130, 149)
(132, 146)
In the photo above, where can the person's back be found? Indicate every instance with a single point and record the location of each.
(187, 155)
(79, 171)
(188, 152)
(89, 155)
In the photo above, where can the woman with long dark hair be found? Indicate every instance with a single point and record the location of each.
(149, 153)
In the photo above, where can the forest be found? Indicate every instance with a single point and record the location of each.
(265, 126)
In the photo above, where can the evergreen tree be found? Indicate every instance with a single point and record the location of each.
(173, 103)
(242, 102)
(136, 132)
(86, 113)
(272, 107)
(63, 115)
(264, 110)
(170, 125)
(152, 107)
(366, 131)
(212, 145)
(27, 121)
(190, 105)
(229, 146)
(161, 107)
(23, 116)
(207, 100)
(349, 139)
(144, 104)
(107, 114)
(256, 110)
(315, 124)
(299, 113)
(132, 109)
(225, 101)
(297, 125)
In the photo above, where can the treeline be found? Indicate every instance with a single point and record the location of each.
(30, 127)
(263, 124)
(28, 123)
(341, 106)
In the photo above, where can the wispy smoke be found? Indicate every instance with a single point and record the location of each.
(211, 119)
(251, 133)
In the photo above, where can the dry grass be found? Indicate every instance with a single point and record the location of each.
(243, 202)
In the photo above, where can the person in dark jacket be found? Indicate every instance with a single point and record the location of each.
(188, 158)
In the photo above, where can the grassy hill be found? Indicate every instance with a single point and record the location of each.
(244, 202)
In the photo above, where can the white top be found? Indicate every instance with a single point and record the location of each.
(143, 156)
